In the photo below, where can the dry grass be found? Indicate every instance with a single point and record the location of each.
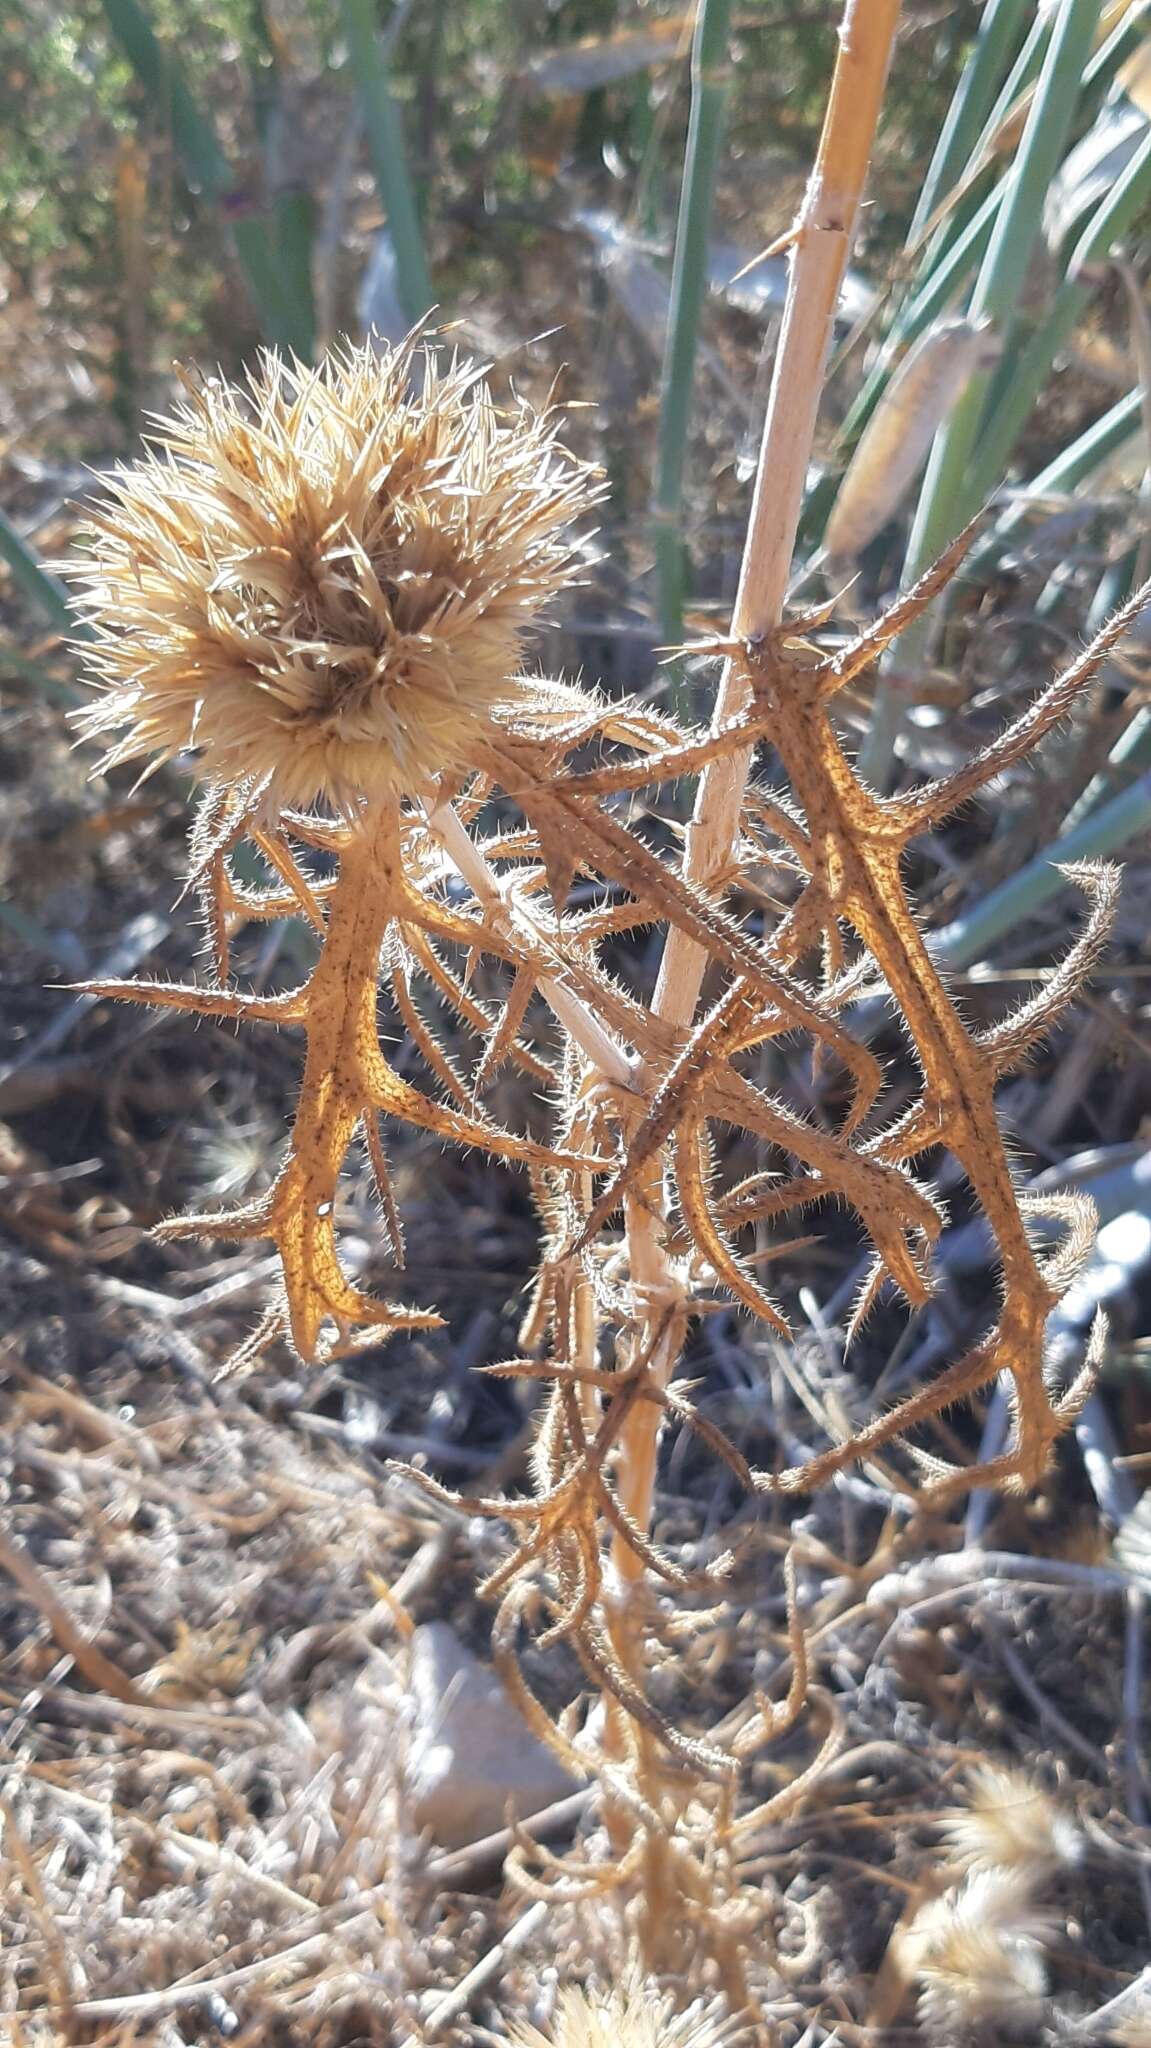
(235, 1837)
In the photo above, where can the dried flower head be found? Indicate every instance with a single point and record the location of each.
(1132, 2033)
(978, 1953)
(1011, 1823)
(321, 580)
(633, 2015)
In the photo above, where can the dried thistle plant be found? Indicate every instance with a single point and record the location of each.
(633, 2015)
(320, 581)
(321, 584)
(977, 1948)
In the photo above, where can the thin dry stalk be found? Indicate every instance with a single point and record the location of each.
(88, 1657)
(823, 238)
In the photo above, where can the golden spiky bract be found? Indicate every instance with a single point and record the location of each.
(320, 580)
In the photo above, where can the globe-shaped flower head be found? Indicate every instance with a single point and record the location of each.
(321, 581)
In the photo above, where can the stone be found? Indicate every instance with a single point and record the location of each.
(473, 1757)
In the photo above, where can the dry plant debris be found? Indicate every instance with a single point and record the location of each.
(237, 1854)
(978, 1949)
(1010, 1823)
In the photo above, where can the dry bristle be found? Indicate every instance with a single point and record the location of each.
(634, 2015)
(1010, 1823)
(321, 581)
(978, 1953)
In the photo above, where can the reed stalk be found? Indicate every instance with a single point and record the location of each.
(824, 235)
(947, 500)
(710, 87)
(369, 67)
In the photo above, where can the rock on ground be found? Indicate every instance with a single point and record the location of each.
(473, 1757)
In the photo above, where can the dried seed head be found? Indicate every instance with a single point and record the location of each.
(634, 2015)
(1134, 2032)
(978, 1953)
(1011, 1823)
(321, 581)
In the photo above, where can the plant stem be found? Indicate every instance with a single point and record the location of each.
(389, 161)
(947, 500)
(583, 1026)
(710, 85)
(824, 236)
(1100, 832)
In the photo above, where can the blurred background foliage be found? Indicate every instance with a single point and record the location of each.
(514, 116)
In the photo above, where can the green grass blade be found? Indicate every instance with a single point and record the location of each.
(929, 299)
(1113, 589)
(1131, 753)
(995, 46)
(962, 240)
(1021, 77)
(1029, 371)
(283, 320)
(1073, 466)
(710, 85)
(947, 499)
(972, 936)
(202, 160)
(1129, 756)
(294, 213)
(1114, 51)
(389, 160)
(41, 589)
(43, 677)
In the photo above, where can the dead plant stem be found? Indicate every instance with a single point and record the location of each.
(585, 1028)
(824, 234)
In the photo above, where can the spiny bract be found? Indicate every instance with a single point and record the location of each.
(321, 580)
(632, 2015)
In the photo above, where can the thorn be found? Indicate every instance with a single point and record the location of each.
(861, 652)
(779, 247)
